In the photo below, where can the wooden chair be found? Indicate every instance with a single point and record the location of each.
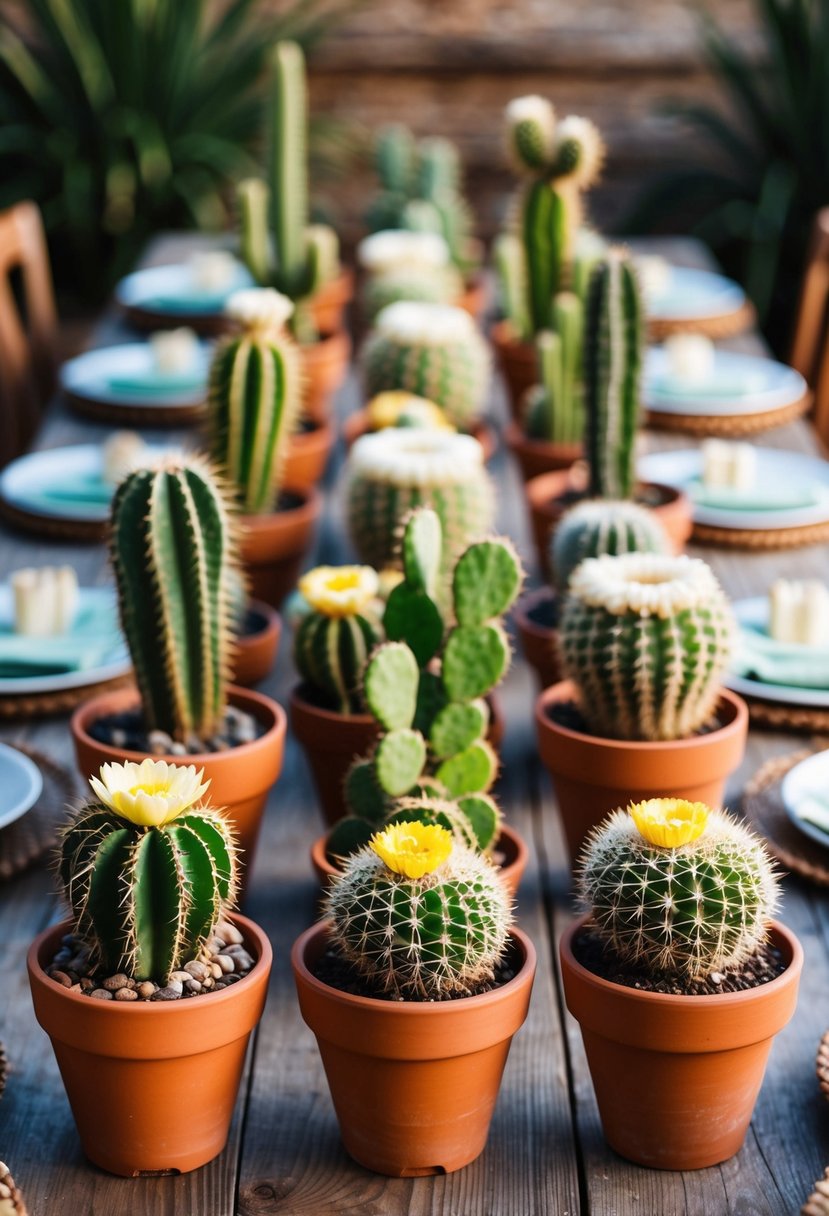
(810, 347)
(28, 328)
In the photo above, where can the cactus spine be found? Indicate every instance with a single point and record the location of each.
(555, 409)
(333, 641)
(172, 549)
(646, 638)
(592, 529)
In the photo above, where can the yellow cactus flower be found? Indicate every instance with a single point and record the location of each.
(339, 590)
(151, 793)
(389, 408)
(670, 822)
(413, 849)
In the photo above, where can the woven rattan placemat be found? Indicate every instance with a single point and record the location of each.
(26, 840)
(723, 325)
(763, 808)
(762, 539)
(728, 426)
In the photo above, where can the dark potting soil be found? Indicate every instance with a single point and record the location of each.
(289, 502)
(545, 613)
(568, 715)
(128, 732)
(334, 970)
(253, 623)
(763, 967)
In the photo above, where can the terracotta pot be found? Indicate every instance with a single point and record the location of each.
(475, 295)
(551, 494)
(328, 305)
(152, 1085)
(255, 652)
(539, 642)
(324, 367)
(677, 1077)
(509, 846)
(536, 456)
(307, 455)
(273, 546)
(518, 362)
(240, 778)
(356, 425)
(414, 1084)
(593, 776)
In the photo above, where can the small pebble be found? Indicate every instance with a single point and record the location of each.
(126, 994)
(168, 994)
(225, 963)
(113, 982)
(177, 749)
(192, 985)
(146, 989)
(196, 969)
(229, 934)
(87, 984)
(160, 742)
(62, 978)
(180, 977)
(101, 994)
(119, 737)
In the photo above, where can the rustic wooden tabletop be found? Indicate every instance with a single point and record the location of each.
(545, 1153)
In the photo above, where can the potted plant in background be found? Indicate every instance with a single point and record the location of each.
(148, 994)
(257, 632)
(679, 979)
(414, 989)
(401, 265)
(173, 555)
(398, 408)
(644, 642)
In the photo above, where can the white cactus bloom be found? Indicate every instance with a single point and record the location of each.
(531, 108)
(259, 308)
(586, 133)
(397, 248)
(411, 322)
(648, 584)
(150, 793)
(416, 457)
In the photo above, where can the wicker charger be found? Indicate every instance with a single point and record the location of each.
(721, 325)
(23, 842)
(61, 527)
(761, 539)
(136, 414)
(763, 808)
(729, 426)
(44, 704)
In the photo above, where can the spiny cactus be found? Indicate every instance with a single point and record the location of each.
(596, 528)
(279, 246)
(422, 918)
(474, 820)
(333, 641)
(254, 397)
(646, 639)
(433, 350)
(397, 469)
(147, 870)
(555, 407)
(404, 265)
(172, 548)
(675, 887)
(614, 334)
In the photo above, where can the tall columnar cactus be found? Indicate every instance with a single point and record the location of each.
(147, 869)
(555, 407)
(254, 397)
(280, 247)
(646, 638)
(434, 350)
(172, 548)
(333, 641)
(596, 528)
(675, 887)
(418, 916)
(395, 470)
(614, 335)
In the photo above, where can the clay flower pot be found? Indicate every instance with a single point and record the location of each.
(356, 425)
(240, 778)
(593, 776)
(254, 651)
(152, 1085)
(324, 366)
(272, 546)
(677, 1077)
(307, 455)
(537, 456)
(475, 295)
(329, 303)
(539, 640)
(414, 1084)
(518, 362)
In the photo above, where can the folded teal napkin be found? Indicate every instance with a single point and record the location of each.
(158, 383)
(760, 657)
(191, 301)
(774, 497)
(721, 386)
(94, 636)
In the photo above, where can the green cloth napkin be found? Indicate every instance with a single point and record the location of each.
(85, 494)
(761, 657)
(94, 636)
(189, 302)
(815, 810)
(158, 383)
(722, 386)
(761, 498)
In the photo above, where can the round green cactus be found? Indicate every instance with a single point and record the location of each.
(333, 641)
(596, 528)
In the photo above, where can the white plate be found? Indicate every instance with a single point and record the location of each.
(21, 783)
(116, 662)
(89, 375)
(693, 295)
(801, 782)
(754, 613)
(680, 468)
(156, 288)
(768, 386)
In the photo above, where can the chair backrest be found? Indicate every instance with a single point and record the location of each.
(28, 328)
(810, 347)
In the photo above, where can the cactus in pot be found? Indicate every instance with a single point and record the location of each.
(554, 410)
(598, 527)
(404, 265)
(333, 641)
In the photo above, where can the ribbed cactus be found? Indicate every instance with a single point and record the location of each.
(333, 641)
(254, 397)
(614, 335)
(421, 918)
(172, 547)
(555, 407)
(646, 639)
(675, 887)
(147, 870)
(596, 528)
(405, 265)
(433, 350)
(391, 472)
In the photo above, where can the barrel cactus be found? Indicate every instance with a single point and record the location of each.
(391, 472)
(419, 916)
(433, 350)
(333, 641)
(254, 397)
(403, 265)
(598, 527)
(147, 869)
(555, 407)
(173, 548)
(674, 887)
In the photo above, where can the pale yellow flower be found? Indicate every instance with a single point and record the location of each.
(339, 590)
(151, 793)
(394, 406)
(670, 822)
(413, 849)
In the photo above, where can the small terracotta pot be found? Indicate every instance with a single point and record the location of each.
(677, 1077)
(536, 456)
(272, 546)
(240, 778)
(152, 1085)
(509, 846)
(307, 455)
(551, 494)
(356, 425)
(538, 642)
(414, 1084)
(329, 303)
(518, 362)
(324, 367)
(593, 776)
(475, 295)
(254, 653)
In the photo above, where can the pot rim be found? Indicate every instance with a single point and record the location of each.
(500, 332)
(317, 431)
(271, 616)
(521, 612)
(517, 438)
(328, 715)
(262, 520)
(319, 853)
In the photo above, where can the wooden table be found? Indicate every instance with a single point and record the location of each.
(545, 1152)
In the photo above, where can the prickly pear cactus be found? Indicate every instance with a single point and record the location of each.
(474, 820)
(596, 528)
(333, 641)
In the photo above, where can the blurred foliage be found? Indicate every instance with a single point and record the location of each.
(123, 117)
(767, 171)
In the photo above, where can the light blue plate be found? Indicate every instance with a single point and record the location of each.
(807, 781)
(753, 613)
(738, 384)
(694, 295)
(126, 375)
(21, 783)
(170, 289)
